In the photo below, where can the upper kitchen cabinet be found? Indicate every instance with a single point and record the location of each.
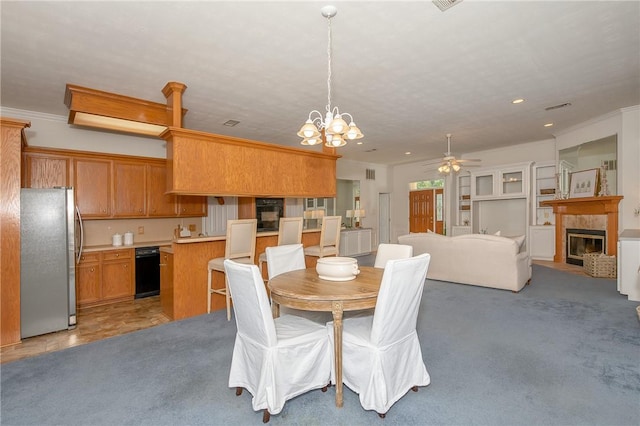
(109, 186)
(159, 204)
(45, 171)
(192, 205)
(129, 189)
(92, 182)
(201, 163)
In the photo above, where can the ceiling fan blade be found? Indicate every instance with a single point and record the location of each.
(467, 160)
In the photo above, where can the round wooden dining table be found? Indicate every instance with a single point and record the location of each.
(304, 290)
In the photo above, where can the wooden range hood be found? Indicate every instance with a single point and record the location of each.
(110, 111)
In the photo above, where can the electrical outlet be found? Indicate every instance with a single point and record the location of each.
(192, 227)
(140, 230)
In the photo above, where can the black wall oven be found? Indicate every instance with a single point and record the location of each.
(268, 212)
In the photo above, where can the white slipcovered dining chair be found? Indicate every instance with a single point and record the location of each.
(381, 355)
(274, 359)
(289, 232)
(240, 245)
(281, 259)
(329, 238)
(387, 252)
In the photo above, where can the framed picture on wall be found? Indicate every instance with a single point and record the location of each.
(584, 183)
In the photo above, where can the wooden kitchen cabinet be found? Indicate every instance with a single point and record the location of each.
(166, 283)
(117, 274)
(158, 203)
(192, 205)
(88, 280)
(108, 185)
(105, 277)
(45, 171)
(92, 182)
(129, 189)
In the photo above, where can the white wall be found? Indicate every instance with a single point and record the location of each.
(406, 173)
(626, 124)
(53, 131)
(369, 189)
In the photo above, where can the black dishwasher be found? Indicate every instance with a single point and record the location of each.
(147, 271)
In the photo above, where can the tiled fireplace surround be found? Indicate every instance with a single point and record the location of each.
(597, 213)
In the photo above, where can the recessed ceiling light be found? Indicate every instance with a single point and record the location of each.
(231, 123)
(359, 143)
(517, 101)
(548, 125)
(407, 153)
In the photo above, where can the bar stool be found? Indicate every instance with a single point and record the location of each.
(239, 246)
(289, 232)
(329, 238)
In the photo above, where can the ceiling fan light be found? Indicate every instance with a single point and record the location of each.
(456, 167)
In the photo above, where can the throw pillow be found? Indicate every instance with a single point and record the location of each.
(520, 240)
(497, 233)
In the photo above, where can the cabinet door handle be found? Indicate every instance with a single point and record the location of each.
(117, 254)
(92, 270)
(125, 266)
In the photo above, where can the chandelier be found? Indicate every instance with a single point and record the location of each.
(336, 130)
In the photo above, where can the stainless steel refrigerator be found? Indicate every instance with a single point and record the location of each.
(48, 224)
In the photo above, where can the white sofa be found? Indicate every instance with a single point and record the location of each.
(477, 259)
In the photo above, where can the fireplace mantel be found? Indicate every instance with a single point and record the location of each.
(607, 205)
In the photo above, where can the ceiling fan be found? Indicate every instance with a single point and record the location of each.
(450, 164)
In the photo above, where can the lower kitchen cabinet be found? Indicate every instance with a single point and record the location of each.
(355, 242)
(166, 283)
(105, 277)
(88, 279)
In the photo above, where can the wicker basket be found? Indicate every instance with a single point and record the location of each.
(599, 265)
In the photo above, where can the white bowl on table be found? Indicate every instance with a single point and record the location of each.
(337, 268)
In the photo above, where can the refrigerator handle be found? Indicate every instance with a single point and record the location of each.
(81, 235)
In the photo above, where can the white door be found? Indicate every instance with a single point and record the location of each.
(384, 203)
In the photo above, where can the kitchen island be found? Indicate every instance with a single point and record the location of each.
(183, 271)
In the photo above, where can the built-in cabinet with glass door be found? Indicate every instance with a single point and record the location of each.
(542, 230)
(463, 213)
(493, 199)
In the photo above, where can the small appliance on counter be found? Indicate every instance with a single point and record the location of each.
(128, 238)
(116, 240)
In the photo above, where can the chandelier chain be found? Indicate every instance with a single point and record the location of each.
(329, 66)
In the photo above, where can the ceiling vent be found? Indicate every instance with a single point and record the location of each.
(564, 105)
(446, 4)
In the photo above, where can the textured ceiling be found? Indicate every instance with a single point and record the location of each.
(407, 72)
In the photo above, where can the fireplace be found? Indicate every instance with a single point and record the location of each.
(591, 213)
(583, 241)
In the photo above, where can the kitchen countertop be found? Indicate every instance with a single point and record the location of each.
(104, 247)
(188, 240)
(224, 237)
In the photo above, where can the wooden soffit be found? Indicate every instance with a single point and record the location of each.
(110, 111)
(201, 163)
